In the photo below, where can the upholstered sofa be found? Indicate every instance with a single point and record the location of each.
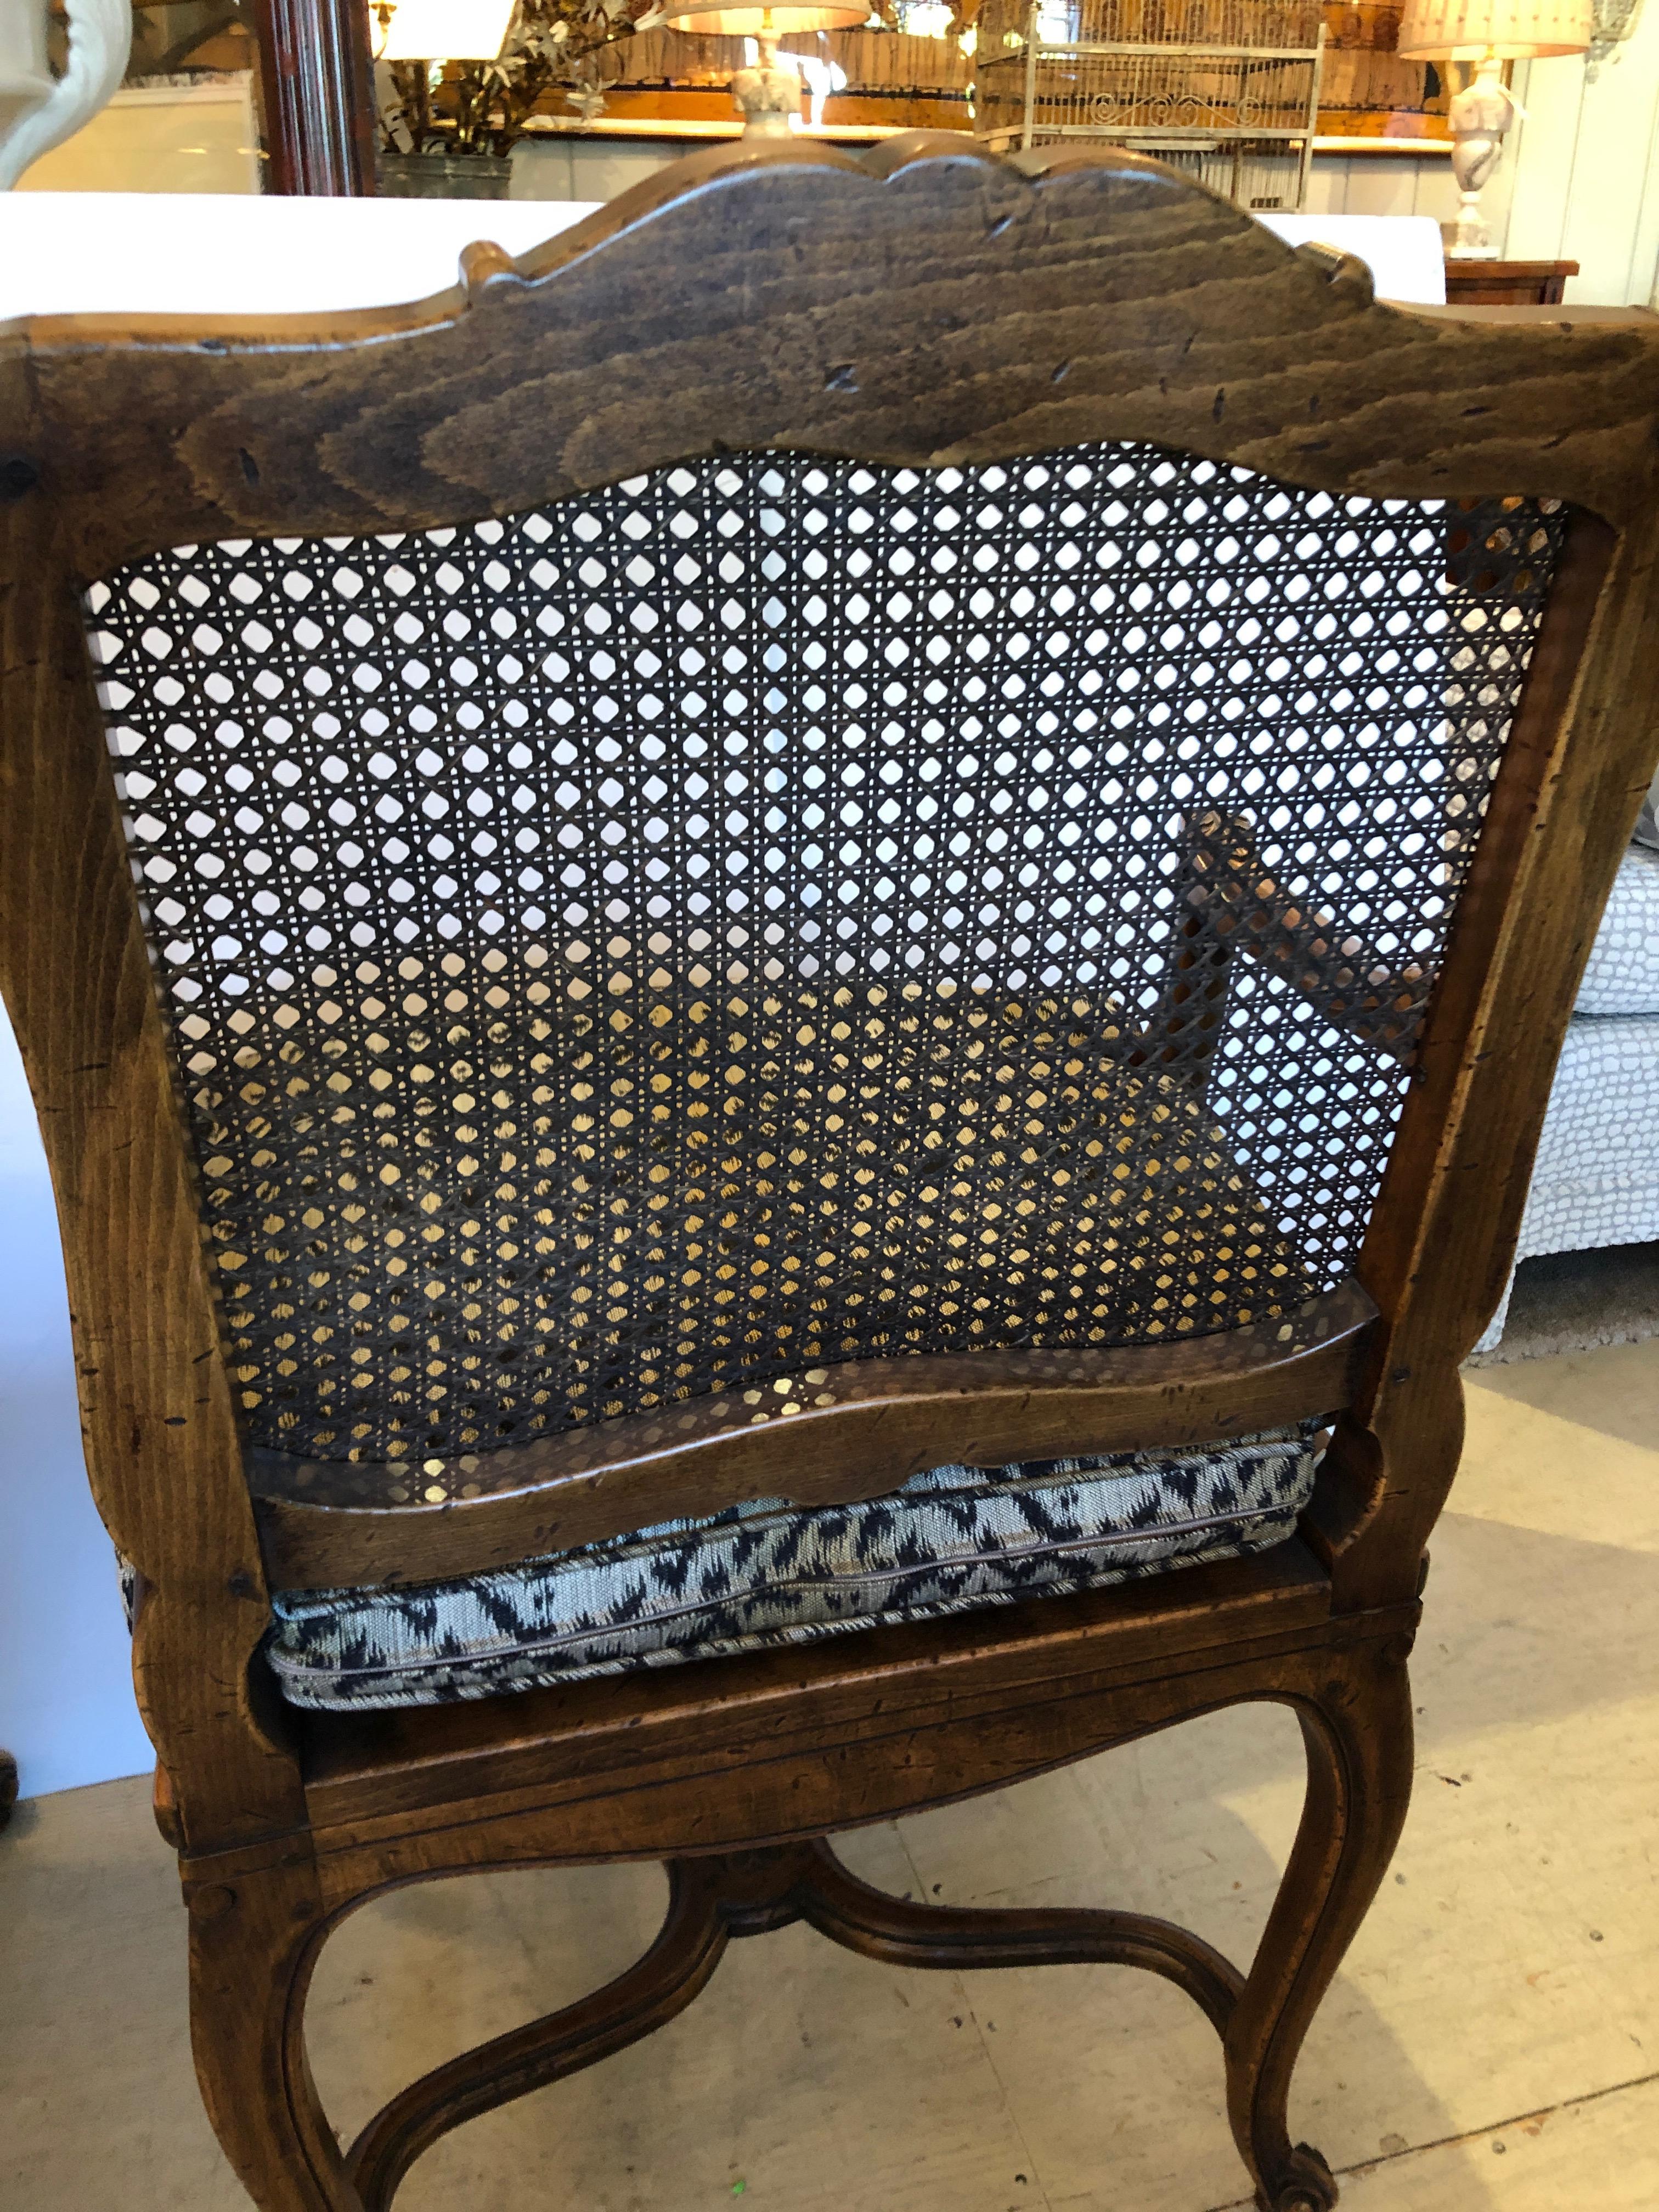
(1596, 1181)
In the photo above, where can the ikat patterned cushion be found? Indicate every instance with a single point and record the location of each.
(764, 1573)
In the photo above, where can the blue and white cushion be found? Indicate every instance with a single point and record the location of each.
(766, 1573)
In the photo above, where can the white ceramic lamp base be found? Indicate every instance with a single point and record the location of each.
(1479, 115)
(768, 96)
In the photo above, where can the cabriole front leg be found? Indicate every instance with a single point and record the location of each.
(254, 1938)
(1356, 1717)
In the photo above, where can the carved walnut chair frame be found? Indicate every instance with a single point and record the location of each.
(926, 306)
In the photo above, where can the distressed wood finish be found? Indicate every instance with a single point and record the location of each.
(1022, 1696)
(1443, 1238)
(714, 1899)
(796, 1746)
(160, 1431)
(1507, 284)
(376, 1778)
(879, 1422)
(929, 306)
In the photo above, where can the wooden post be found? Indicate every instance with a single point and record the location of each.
(318, 91)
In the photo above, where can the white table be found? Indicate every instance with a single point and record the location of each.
(141, 253)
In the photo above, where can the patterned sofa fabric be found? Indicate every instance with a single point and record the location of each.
(1622, 976)
(1595, 1180)
(764, 1573)
(1647, 822)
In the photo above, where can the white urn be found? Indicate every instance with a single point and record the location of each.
(39, 110)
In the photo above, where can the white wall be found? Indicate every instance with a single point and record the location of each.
(568, 168)
(160, 138)
(66, 1706)
(1586, 170)
(1394, 183)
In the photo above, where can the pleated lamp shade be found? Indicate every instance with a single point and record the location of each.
(714, 20)
(1515, 30)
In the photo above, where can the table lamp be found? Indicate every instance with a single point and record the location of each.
(1487, 33)
(767, 97)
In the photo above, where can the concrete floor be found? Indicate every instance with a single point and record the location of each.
(1493, 2044)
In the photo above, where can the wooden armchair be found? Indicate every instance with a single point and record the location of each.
(874, 816)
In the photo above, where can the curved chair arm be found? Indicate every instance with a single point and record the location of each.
(1356, 987)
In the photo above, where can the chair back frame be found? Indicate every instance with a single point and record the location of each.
(926, 306)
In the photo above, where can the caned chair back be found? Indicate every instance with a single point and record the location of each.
(736, 922)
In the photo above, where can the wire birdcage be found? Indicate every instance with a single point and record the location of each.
(1228, 89)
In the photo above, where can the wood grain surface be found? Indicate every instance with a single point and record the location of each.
(860, 1430)
(926, 304)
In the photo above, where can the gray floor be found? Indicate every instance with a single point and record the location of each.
(1493, 2041)
(1578, 1301)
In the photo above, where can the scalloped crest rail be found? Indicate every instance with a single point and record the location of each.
(1331, 944)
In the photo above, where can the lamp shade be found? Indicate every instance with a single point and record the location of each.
(714, 20)
(445, 30)
(1514, 30)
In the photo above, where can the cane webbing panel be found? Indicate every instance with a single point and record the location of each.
(727, 923)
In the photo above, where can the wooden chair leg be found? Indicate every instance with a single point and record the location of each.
(253, 1939)
(255, 1936)
(1356, 1717)
(962, 1940)
(645, 1997)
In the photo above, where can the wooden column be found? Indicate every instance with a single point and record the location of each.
(318, 89)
